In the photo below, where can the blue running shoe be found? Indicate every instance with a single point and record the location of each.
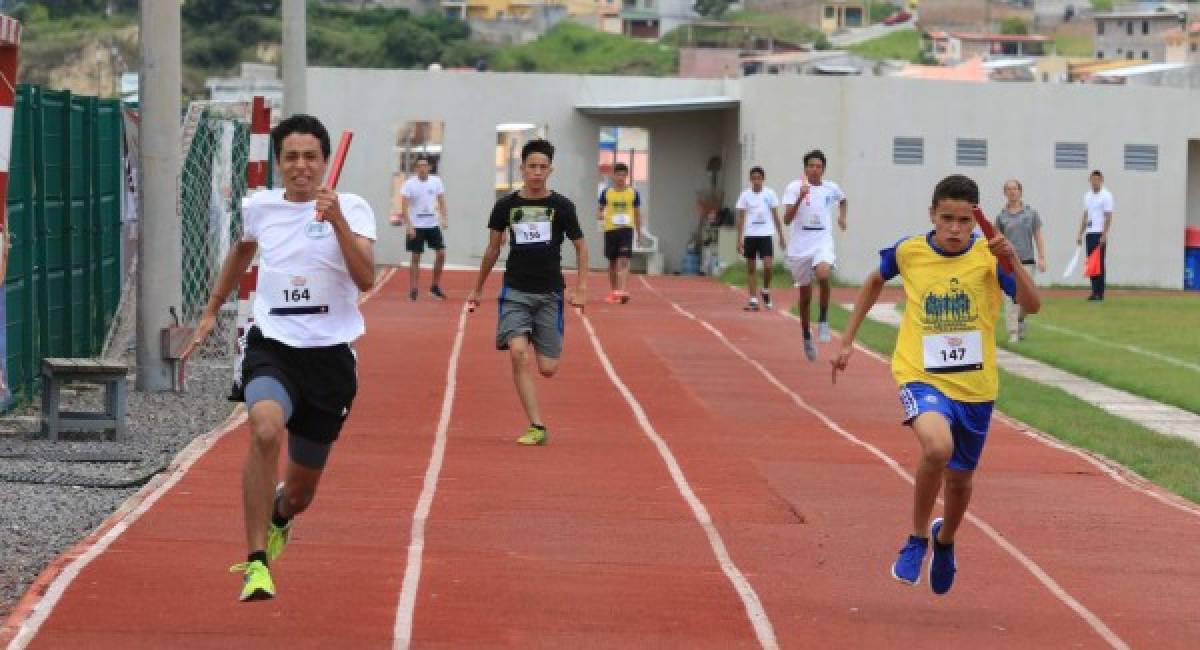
(942, 568)
(907, 568)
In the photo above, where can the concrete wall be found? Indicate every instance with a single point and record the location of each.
(1193, 183)
(855, 119)
(471, 105)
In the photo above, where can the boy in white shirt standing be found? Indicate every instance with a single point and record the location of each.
(424, 206)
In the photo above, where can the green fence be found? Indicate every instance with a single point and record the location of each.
(64, 215)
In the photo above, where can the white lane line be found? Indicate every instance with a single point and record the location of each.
(402, 632)
(126, 516)
(754, 609)
(1066, 598)
(1120, 346)
(137, 505)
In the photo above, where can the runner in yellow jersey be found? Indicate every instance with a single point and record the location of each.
(945, 360)
(620, 216)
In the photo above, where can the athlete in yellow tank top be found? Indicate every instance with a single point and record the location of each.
(945, 361)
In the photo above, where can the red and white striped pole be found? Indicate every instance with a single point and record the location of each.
(10, 41)
(256, 180)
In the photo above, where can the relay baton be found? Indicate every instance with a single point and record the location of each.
(989, 231)
(335, 166)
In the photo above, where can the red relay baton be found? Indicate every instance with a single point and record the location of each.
(339, 158)
(989, 231)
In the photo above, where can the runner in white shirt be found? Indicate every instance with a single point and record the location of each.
(810, 202)
(298, 369)
(423, 205)
(757, 222)
(1097, 219)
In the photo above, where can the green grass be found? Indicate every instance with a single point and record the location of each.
(781, 278)
(1074, 45)
(1168, 461)
(572, 48)
(903, 44)
(1157, 324)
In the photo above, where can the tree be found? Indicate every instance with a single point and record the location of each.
(714, 9)
(1013, 25)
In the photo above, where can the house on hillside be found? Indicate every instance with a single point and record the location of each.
(1183, 45)
(1137, 33)
(650, 19)
(955, 47)
(829, 15)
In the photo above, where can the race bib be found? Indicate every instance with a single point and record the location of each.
(622, 220)
(294, 294)
(531, 232)
(953, 352)
(758, 219)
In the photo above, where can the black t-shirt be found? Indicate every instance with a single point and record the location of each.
(535, 233)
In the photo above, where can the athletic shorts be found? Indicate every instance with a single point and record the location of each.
(756, 247)
(802, 267)
(968, 420)
(536, 315)
(618, 243)
(431, 236)
(320, 382)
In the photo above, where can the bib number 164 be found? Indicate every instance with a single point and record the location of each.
(296, 295)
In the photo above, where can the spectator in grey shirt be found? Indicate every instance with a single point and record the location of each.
(1023, 227)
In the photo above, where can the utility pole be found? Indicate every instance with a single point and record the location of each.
(295, 57)
(160, 274)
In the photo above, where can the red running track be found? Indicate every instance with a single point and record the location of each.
(592, 541)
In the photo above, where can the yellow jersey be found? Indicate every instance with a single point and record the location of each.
(617, 207)
(947, 337)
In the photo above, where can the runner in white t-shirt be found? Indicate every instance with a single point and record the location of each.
(298, 369)
(757, 222)
(810, 202)
(423, 205)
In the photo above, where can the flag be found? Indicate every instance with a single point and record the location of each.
(1094, 266)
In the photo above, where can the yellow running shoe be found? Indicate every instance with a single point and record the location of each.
(533, 436)
(257, 584)
(277, 536)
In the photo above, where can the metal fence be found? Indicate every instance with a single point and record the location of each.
(64, 216)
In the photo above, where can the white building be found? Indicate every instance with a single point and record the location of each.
(1050, 136)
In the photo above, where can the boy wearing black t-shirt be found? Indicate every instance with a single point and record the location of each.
(531, 299)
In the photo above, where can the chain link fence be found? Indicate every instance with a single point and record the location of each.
(212, 183)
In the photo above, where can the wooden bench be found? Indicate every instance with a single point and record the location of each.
(58, 371)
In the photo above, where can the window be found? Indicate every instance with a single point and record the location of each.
(1141, 157)
(1145, 26)
(1100, 28)
(830, 12)
(1099, 54)
(971, 152)
(1129, 28)
(1129, 55)
(1145, 55)
(1070, 155)
(1194, 47)
(908, 151)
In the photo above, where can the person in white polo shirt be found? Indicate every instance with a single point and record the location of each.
(1097, 219)
(424, 207)
(809, 205)
(757, 223)
(298, 371)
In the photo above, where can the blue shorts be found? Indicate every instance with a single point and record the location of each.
(968, 420)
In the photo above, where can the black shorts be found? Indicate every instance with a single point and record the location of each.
(618, 243)
(756, 247)
(431, 236)
(321, 382)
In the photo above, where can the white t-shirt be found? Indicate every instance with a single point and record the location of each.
(758, 206)
(422, 200)
(812, 226)
(1096, 204)
(305, 296)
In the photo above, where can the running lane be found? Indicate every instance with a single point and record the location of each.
(583, 543)
(1129, 560)
(164, 584)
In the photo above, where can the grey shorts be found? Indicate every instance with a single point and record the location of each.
(536, 315)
